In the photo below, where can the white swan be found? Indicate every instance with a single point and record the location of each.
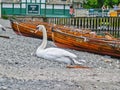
(55, 54)
(2, 27)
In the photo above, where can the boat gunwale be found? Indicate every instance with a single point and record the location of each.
(89, 38)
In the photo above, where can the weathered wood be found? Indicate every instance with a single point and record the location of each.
(87, 42)
(28, 28)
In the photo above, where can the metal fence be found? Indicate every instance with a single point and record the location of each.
(98, 24)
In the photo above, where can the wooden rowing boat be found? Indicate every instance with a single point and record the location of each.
(28, 28)
(87, 41)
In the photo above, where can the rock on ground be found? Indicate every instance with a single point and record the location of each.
(20, 70)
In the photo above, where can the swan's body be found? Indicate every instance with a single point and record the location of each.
(2, 27)
(54, 54)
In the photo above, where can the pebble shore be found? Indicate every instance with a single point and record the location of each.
(21, 70)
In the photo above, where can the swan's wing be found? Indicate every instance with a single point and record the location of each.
(57, 52)
(61, 55)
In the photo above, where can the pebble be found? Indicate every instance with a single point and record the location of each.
(17, 52)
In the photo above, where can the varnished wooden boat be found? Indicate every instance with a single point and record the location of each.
(87, 41)
(28, 28)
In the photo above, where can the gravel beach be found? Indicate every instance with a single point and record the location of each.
(21, 70)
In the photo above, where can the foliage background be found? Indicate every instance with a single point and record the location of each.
(100, 3)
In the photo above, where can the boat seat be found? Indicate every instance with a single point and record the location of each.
(109, 36)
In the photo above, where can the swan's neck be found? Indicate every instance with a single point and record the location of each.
(44, 41)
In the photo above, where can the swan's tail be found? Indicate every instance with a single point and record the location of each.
(77, 64)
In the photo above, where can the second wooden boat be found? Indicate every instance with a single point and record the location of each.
(87, 41)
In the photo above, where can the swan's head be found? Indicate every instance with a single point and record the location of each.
(39, 27)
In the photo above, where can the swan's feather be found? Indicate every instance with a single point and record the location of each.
(59, 52)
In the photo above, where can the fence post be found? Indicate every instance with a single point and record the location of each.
(0, 8)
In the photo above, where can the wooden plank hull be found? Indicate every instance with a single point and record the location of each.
(99, 44)
(28, 29)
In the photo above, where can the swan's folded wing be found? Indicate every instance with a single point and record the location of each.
(57, 52)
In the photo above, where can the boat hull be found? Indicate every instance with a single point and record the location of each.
(94, 45)
(28, 29)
